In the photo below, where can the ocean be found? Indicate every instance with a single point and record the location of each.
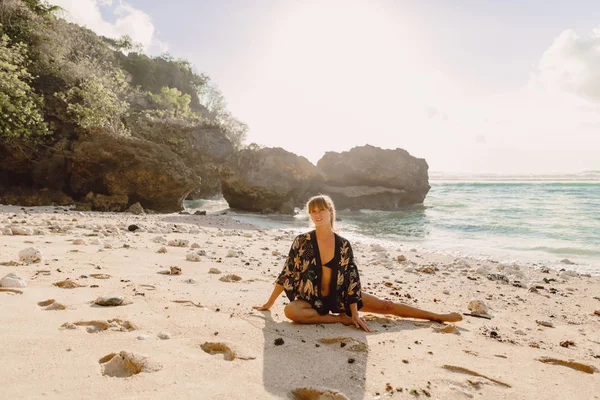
(536, 220)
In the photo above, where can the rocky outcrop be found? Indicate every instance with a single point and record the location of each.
(268, 180)
(102, 172)
(145, 172)
(207, 150)
(374, 178)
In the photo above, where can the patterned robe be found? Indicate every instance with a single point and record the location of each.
(301, 275)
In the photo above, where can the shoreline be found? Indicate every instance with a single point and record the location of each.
(205, 319)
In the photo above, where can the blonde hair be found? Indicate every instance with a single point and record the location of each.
(322, 202)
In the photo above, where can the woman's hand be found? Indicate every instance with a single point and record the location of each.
(264, 307)
(360, 323)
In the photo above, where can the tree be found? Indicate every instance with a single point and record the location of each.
(172, 100)
(21, 115)
(95, 104)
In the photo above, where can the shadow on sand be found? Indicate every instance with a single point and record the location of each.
(304, 362)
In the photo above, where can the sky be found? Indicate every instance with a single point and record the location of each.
(472, 86)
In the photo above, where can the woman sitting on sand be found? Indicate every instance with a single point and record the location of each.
(328, 292)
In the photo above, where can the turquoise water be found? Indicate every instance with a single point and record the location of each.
(519, 221)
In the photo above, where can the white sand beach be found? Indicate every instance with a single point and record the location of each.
(193, 334)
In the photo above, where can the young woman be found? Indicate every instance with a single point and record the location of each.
(321, 279)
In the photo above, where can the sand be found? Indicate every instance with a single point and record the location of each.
(182, 325)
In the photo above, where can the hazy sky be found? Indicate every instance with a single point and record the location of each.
(470, 85)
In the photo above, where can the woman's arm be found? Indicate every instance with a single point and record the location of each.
(285, 280)
(274, 295)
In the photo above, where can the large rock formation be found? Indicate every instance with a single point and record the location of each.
(364, 177)
(374, 178)
(207, 150)
(145, 172)
(267, 180)
(109, 173)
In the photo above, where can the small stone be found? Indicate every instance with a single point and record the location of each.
(214, 271)
(401, 258)
(162, 250)
(193, 257)
(478, 307)
(164, 335)
(133, 228)
(279, 342)
(109, 301)
(231, 253)
(143, 337)
(12, 280)
(544, 323)
(79, 242)
(30, 255)
(230, 278)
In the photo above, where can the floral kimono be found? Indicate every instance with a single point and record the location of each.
(301, 275)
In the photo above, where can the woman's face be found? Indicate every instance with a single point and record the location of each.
(320, 216)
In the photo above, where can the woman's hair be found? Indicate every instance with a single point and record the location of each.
(322, 202)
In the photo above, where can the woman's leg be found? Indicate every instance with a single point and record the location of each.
(302, 312)
(375, 305)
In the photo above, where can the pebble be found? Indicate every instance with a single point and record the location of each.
(164, 335)
(544, 323)
(478, 307)
(12, 280)
(109, 301)
(30, 255)
(143, 337)
(193, 257)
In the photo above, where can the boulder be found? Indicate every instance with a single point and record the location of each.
(142, 171)
(374, 178)
(268, 180)
(207, 151)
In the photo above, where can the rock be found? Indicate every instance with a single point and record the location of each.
(143, 337)
(193, 257)
(128, 167)
(498, 277)
(544, 323)
(79, 242)
(567, 261)
(12, 280)
(231, 253)
(162, 250)
(478, 307)
(110, 301)
(401, 258)
(200, 213)
(268, 179)
(214, 271)
(230, 278)
(136, 208)
(18, 231)
(133, 228)
(164, 335)
(104, 203)
(30, 255)
(374, 178)
(179, 243)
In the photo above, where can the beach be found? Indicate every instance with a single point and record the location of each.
(181, 323)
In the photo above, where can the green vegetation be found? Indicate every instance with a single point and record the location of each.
(58, 79)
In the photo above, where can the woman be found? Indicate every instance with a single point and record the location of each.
(321, 279)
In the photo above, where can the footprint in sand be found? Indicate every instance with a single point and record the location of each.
(100, 325)
(315, 394)
(68, 284)
(51, 305)
(229, 354)
(125, 364)
(353, 344)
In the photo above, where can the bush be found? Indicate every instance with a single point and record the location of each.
(21, 115)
